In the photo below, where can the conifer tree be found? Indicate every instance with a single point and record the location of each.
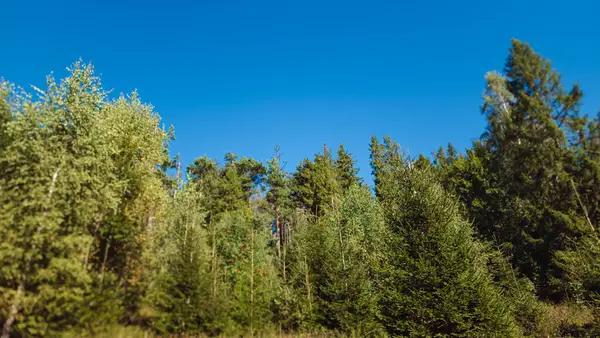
(315, 183)
(529, 117)
(345, 167)
(436, 280)
(180, 290)
(249, 274)
(204, 174)
(229, 187)
(351, 243)
(278, 185)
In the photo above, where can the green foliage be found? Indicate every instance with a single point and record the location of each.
(181, 286)
(278, 182)
(61, 174)
(99, 239)
(521, 184)
(345, 166)
(436, 280)
(315, 184)
(345, 268)
(229, 187)
(51, 188)
(5, 115)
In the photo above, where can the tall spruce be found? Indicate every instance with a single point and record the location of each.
(345, 264)
(536, 211)
(436, 280)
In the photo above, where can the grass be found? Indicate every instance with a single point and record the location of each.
(119, 331)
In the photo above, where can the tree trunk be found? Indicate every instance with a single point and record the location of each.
(87, 252)
(284, 267)
(342, 249)
(280, 240)
(14, 309)
(307, 284)
(584, 210)
(251, 282)
(214, 263)
(104, 261)
(278, 228)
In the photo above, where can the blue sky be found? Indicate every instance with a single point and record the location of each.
(244, 76)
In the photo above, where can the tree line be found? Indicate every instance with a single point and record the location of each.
(499, 240)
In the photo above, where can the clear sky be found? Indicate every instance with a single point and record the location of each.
(244, 76)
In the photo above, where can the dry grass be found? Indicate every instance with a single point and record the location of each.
(563, 315)
(556, 317)
(118, 331)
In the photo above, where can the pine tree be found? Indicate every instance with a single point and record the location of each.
(231, 194)
(345, 168)
(278, 193)
(252, 175)
(315, 184)
(204, 174)
(229, 187)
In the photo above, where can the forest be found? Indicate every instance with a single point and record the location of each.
(103, 234)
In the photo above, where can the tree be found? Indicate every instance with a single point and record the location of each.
(535, 212)
(315, 184)
(228, 187)
(139, 147)
(347, 255)
(345, 167)
(278, 193)
(181, 286)
(252, 175)
(5, 115)
(436, 280)
(55, 179)
(249, 275)
(205, 175)
(385, 158)
(78, 176)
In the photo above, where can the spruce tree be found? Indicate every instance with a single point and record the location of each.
(536, 213)
(181, 286)
(435, 281)
(346, 267)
